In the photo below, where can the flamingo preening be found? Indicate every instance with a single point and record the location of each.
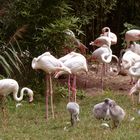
(11, 86)
(103, 55)
(106, 32)
(49, 64)
(132, 35)
(76, 62)
(106, 38)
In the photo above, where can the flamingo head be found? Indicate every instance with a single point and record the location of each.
(31, 98)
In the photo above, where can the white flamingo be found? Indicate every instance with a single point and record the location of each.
(49, 64)
(135, 47)
(134, 70)
(11, 86)
(128, 60)
(132, 35)
(103, 55)
(100, 41)
(106, 32)
(76, 63)
(74, 110)
(106, 38)
(135, 88)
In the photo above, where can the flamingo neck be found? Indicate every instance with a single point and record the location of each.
(15, 95)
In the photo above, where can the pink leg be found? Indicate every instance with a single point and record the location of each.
(47, 96)
(51, 94)
(74, 88)
(69, 86)
(102, 74)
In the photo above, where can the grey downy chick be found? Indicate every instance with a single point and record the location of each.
(101, 110)
(73, 109)
(116, 112)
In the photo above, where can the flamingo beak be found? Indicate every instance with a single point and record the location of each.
(31, 99)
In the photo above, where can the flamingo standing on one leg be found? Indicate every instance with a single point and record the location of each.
(10, 86)
(49, 64)
(132, 35)
(76, 63)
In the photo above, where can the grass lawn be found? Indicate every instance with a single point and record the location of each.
(27, 122)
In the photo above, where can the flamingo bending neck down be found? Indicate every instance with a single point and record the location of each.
(8, 86)
(49, 64)
(76, 63)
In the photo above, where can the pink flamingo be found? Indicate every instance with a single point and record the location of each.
(49, 64)
(76, 63)
(103, 55)
(132, 35)
(100, 41)
(106, 38)
(106, 32)
(135, 88)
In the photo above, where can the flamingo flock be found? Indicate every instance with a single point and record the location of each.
(74, 63)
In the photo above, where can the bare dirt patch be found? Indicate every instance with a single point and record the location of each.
(91, 82)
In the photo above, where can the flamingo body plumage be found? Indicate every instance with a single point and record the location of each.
(49, 64)
(132, 35)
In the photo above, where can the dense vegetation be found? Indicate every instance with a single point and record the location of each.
(30, 27)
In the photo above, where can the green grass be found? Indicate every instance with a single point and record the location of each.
(27, 122)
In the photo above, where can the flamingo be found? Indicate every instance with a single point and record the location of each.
(106, 32)
(135, 88)
(74, 110)
(8, 86)
(134, 70)
(101, 110)
(100, 41)
(106, 38)
(135, 47)
(129, 59)
(49, 64)
(132, 35)
(76, 62)
(116, 112)
(76, 41)
(103, 55)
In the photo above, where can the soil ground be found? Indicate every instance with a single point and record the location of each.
(91, 82)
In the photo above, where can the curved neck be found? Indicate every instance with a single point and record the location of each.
(134, 71)
(15, 95)
(106, 57)
(34, 63)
